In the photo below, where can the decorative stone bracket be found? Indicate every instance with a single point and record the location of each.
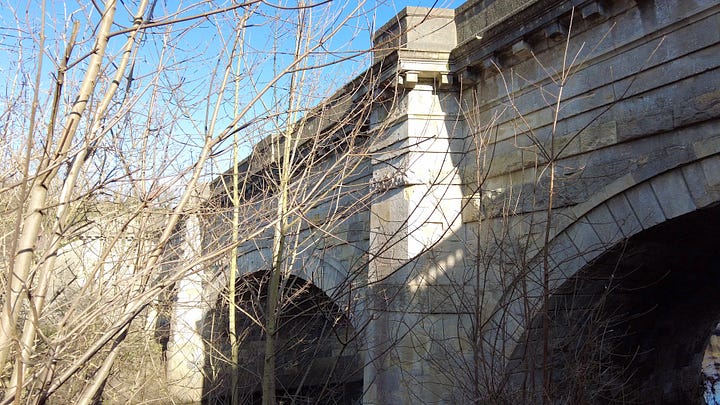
(410, 78)
(421, 39)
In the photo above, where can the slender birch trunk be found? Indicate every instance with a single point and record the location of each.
(18, 282)
(288, 144)
(236, 184)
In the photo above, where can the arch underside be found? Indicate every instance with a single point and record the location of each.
(317, 356)
(633, 325)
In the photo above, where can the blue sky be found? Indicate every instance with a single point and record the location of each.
(21, 18)
(193, 62)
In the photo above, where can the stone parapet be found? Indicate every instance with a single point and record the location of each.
(417, 29)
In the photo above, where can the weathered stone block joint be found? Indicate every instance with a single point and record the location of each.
(536, 214)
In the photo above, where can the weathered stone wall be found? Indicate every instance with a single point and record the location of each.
(634, 139)
(608, 108)
(635, 103)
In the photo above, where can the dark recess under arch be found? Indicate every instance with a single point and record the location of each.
(631, 327)
(317, 358)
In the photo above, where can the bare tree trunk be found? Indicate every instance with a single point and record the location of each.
(547, 370)
(232, 284)
(18, 281)
(64, 210)
(288, 144)
(91, 393)
(74, 322)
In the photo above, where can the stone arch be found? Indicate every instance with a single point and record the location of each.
(317, 266)
(327, 274)
(331, 276)
(318, 348)
(626, 207)
(631, 212)
(200, 296)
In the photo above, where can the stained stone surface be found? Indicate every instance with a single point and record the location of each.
(511, 158)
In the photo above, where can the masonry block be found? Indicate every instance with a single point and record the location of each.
(605, 226)
(672, 194)
(711, 169)
(701, 190)
(585, 239)
(645, 205)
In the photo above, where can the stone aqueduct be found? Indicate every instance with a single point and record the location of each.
(442, 270)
